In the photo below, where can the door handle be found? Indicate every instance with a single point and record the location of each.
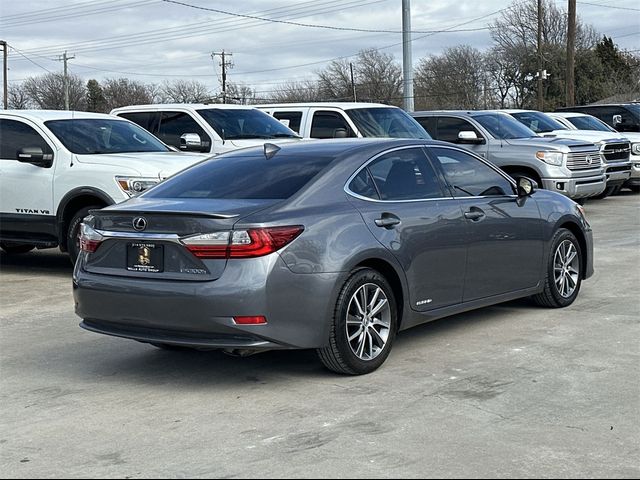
(474, 214)
(387, 221)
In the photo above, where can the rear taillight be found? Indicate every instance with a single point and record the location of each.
(90, 239)
(254, 320)
(251, 243)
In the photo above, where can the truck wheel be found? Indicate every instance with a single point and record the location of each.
(73, 232)
(364, 325)
(635, 188)
(16, 248)
(563, 275)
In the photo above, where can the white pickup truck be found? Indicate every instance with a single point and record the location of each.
(55, 166)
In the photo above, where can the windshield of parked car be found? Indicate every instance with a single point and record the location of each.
(386, 122)
(589, 123)
(243, 176)
(503, 127)
(85, 136)
(246, 123)
(538, 122)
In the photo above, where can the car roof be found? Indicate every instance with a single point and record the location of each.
(335, 147)
(568, 114)
(468, 113)
(46, 115)
(185, 106)
(342, 105)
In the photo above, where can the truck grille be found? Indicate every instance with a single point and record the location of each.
(616, 151)
(584, 161)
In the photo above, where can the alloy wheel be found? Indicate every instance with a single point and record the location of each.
(566, 268)
(368, 321)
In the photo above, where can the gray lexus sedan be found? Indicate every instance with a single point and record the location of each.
(328, 245)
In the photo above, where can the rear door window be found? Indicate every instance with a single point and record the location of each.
(404, 174)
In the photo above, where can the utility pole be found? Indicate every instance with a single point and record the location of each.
(571, 55)
(5, 69)
(353, 84)
(64, 58)
(540, 92)
(407, 64)
(224, 64)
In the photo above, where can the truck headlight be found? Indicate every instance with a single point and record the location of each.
(552, 158)
(635, 148)
(133, 186)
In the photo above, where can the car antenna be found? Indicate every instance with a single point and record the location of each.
(270, 150)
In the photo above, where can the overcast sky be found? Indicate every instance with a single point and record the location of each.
(153, 40)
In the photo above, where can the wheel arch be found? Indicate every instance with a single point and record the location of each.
(528, 171)
(395, 279)
(72, 202)
(574, 228)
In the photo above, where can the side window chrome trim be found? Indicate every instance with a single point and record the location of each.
(373, 159)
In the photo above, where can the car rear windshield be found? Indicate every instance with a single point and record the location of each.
(85, 136)
(241, 124)
(243, 177)
(386, 122)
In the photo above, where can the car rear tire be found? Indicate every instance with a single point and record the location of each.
(364, 325)
(563, 275)
(73, 232)
(16, 248)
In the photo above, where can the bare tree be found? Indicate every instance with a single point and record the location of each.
(239, 93)
(18, 98)
(47, 91)
(185, 91)
(377, 78)
(454, 79)
(304, 91)
(119, 92)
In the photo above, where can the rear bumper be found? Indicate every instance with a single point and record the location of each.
(200, 314)
(575, 188)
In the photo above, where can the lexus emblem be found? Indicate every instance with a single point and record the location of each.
(139, 223)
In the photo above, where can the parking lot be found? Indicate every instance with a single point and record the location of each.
(507, 391)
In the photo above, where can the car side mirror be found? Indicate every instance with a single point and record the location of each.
(526, 186)
(617, 120)
(191, 142)
(35, 156)
(469, 137)
(340, 133)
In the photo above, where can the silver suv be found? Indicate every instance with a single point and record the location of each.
(571, 167)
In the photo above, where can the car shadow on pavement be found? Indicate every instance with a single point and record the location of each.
(50, 261)
(124, 361)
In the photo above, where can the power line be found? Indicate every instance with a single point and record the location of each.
(74, 14)
(610, 6)
(200, 28)
(309, 25)
(32, 61)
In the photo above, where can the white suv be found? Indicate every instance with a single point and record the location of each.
(209, 128)
(55, 166)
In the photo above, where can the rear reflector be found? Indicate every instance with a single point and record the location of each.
(251, 243)
(256, 320)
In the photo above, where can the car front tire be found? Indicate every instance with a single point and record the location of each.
(563, 275)
(73, 232)
(364, 325)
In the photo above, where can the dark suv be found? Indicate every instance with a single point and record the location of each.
(624, 117)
